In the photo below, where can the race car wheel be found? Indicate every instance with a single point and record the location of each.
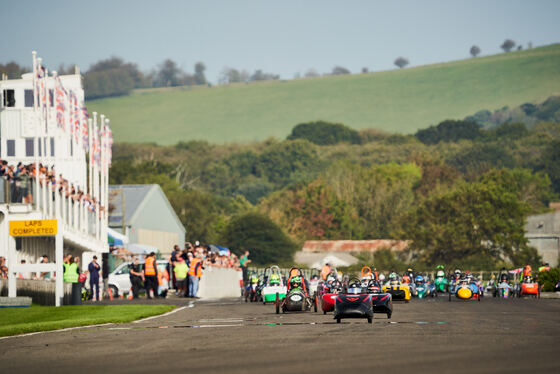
(277, 303)
(389, 315)
(449, 296)
(338, 320)
(315, 302)
(324, 312)
(370, 319)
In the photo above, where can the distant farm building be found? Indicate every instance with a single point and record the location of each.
(316, 253)
(149, 218)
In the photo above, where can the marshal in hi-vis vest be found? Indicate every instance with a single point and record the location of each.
(71, 273)
(196, 267)
(149, 268)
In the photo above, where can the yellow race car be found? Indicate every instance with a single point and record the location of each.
(398, 290)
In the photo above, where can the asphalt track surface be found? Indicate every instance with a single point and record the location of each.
(230, 336)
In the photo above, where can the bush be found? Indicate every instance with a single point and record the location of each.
(449, 131)
(549, 279)
(325, 133)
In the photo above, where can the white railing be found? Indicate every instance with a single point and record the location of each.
(76, 213)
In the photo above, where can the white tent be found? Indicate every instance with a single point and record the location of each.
(118, 238)
(142, 249)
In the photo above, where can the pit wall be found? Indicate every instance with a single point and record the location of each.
(40, 291)
(220, 283)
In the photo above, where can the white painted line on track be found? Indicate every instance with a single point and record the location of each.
(60, 330)
(161, 315)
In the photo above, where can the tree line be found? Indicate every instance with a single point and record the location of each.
(115, 77)
(459, 191)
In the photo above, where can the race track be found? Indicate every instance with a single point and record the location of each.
(230, 336)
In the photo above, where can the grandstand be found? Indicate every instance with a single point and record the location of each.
(54, 178)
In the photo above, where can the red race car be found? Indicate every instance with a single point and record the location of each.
(529, 287)
(329, 291)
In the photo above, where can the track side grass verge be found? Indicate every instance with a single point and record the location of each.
(14, 321)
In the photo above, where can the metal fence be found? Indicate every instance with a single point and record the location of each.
(308, 273)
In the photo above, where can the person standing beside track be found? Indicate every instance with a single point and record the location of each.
(135, 277)
(150, 275)
(244, 262)
(94, 269)
(172, 261)
(195, 273)
(181, 270)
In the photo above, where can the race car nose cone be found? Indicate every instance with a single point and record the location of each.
(464, 293)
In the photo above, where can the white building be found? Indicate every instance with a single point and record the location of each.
(21, 123)
(30, 133)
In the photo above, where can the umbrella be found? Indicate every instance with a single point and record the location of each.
(222, 251)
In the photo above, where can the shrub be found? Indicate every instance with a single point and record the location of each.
(449, 131)
(549, 279)
(325, 133)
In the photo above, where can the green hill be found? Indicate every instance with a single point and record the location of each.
(396, 101)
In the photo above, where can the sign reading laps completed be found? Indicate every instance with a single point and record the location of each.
(44, 227)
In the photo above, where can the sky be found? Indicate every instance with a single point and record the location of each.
(281, 37)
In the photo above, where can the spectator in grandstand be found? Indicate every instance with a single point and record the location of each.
(24, 275)
(3, 268)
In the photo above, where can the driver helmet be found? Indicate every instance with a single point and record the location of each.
(355, 288)
(295, 281)
(406, 278)
(419, 279)
(457, 273)
(503, 278)
(393, 276)
(528, 279)
(274, 278)
(381, 277)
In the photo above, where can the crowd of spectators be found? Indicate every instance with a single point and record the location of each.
(193, 256)
(25, 275)
(212, 256)
(21, 177)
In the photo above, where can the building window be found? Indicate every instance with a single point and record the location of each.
(28, 98)
(71, 148)
(52, 147)
(11, 148)
(9, 98)
(40, 144)
(51, 97)
(29, 147)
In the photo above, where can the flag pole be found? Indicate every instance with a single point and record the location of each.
(90, 156)
(37, 126)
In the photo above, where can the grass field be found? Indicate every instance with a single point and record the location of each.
(15, 321)
(395, 101)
